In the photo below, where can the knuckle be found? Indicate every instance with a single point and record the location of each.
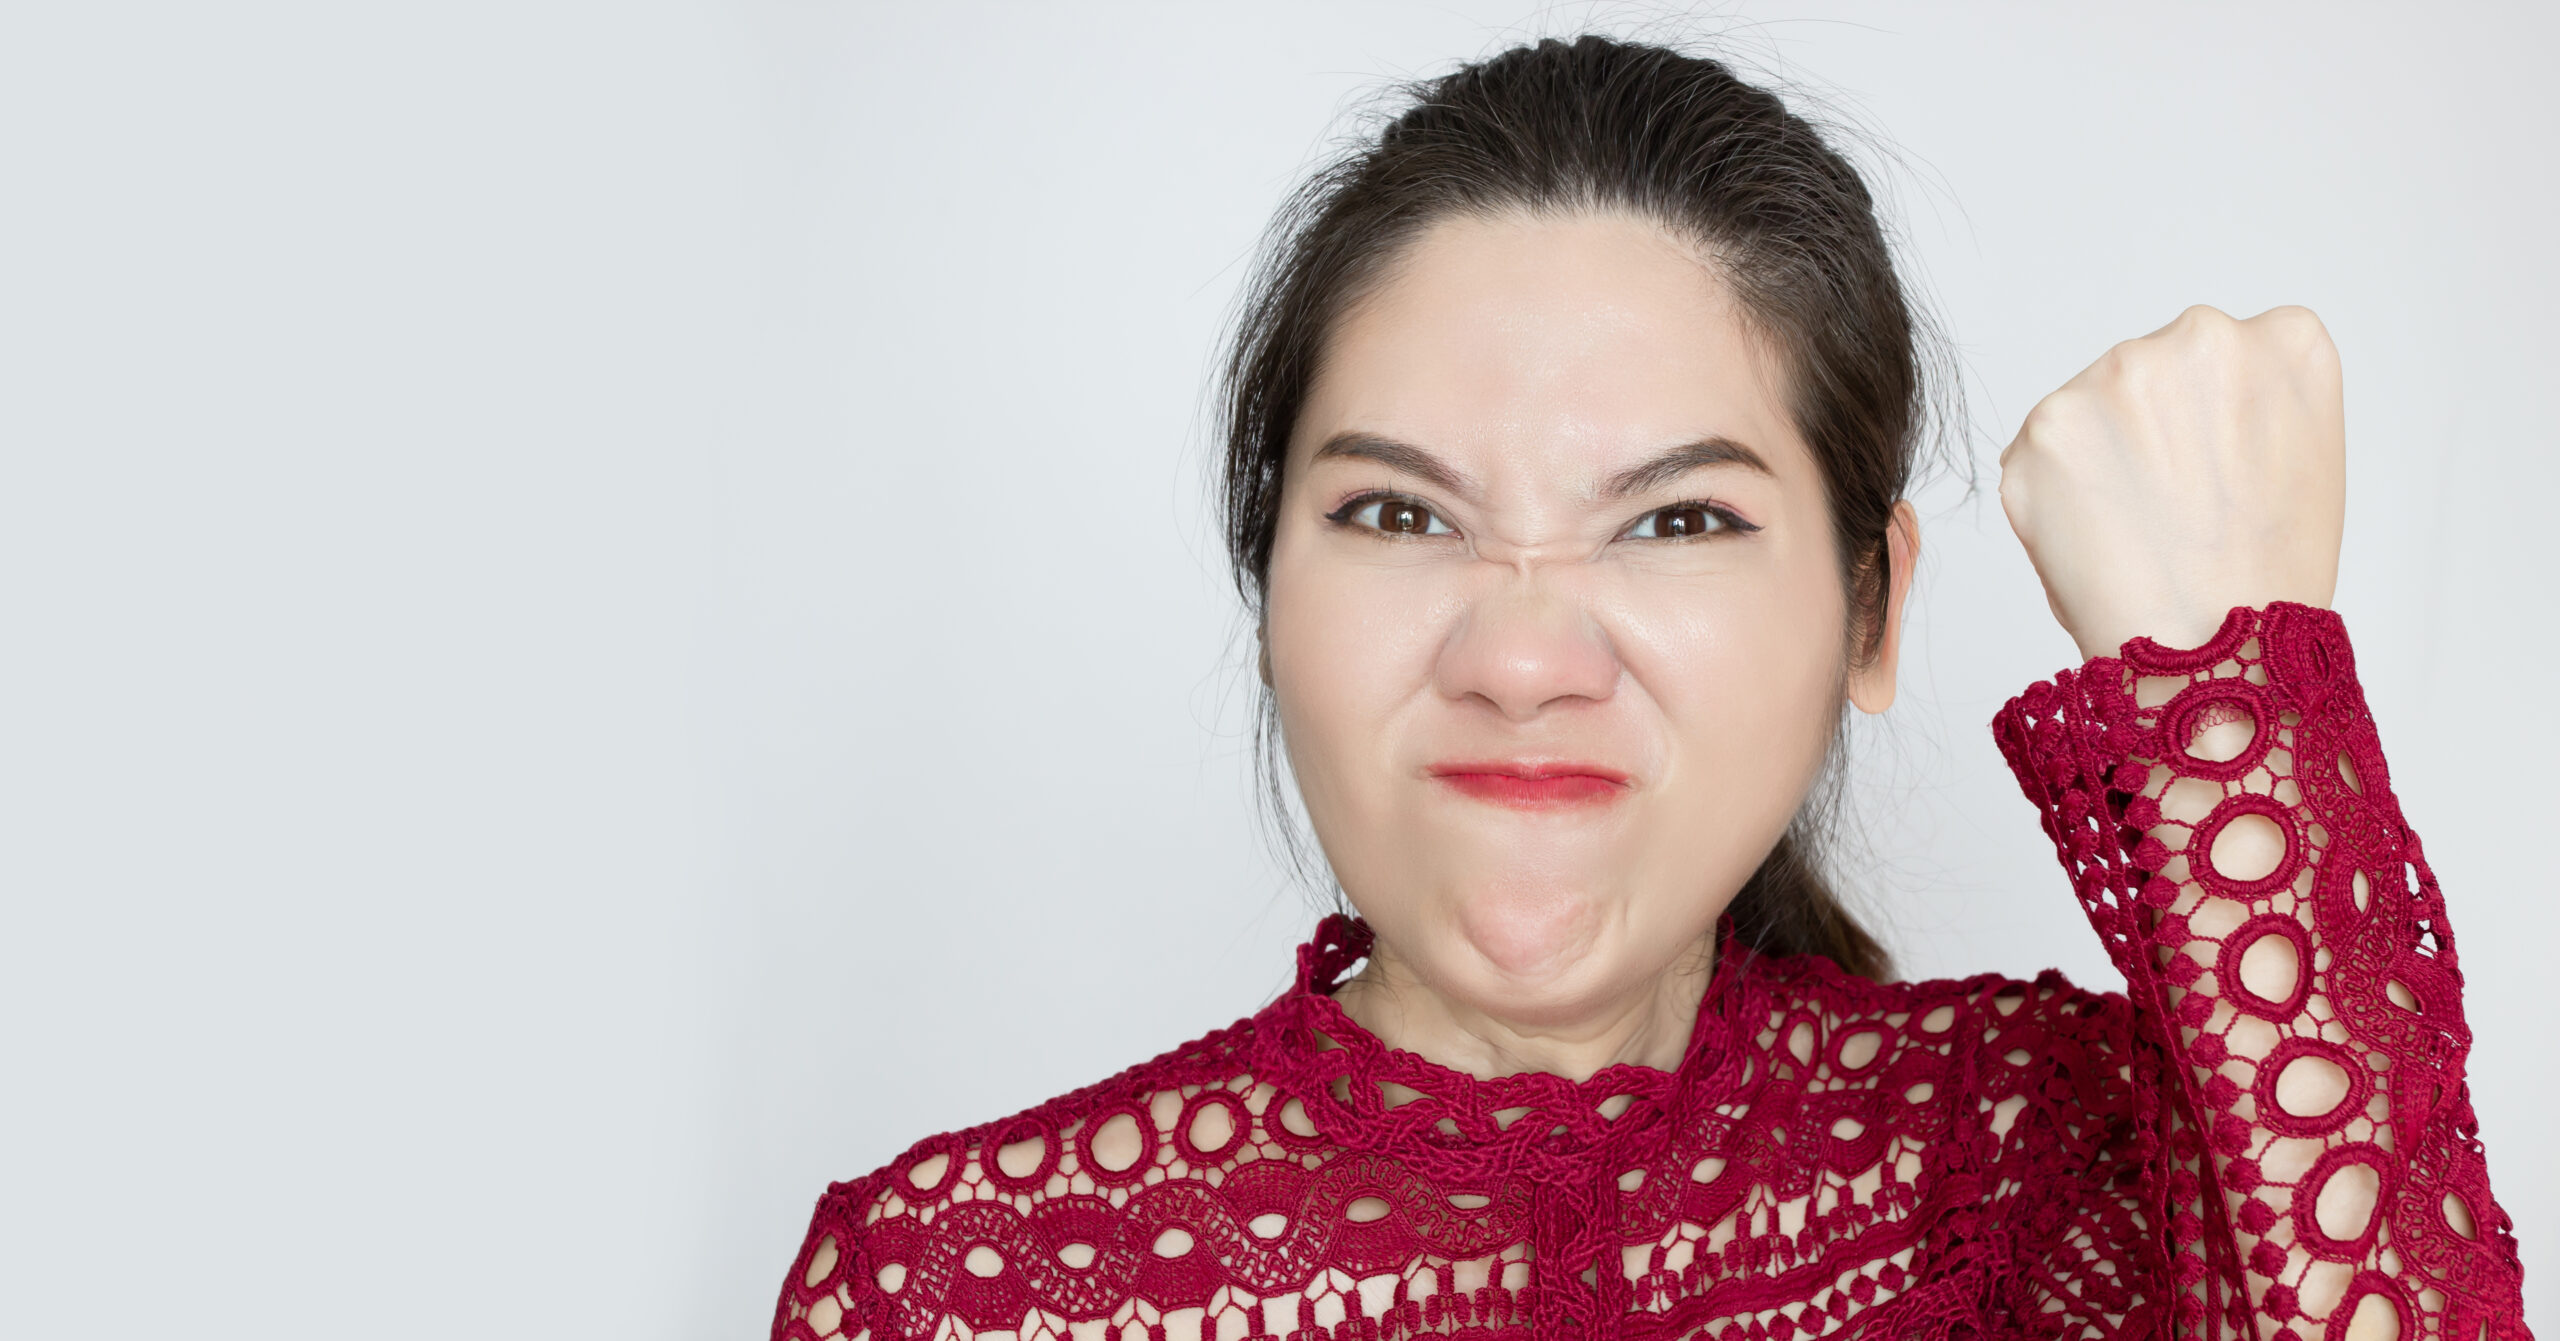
(2293, 316)
(2195, 320)
(2313, 332)
(2299, 332)
(2131, 366)
(2046, 417)
(2013, 492)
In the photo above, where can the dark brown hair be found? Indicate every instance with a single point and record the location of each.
(1600, 124)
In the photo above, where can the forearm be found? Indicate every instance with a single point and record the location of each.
(2229, 826)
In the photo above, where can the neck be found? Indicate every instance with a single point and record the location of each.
(1648, 1025)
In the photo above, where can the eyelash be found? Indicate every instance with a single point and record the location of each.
(1725, 519)
(1341, 516)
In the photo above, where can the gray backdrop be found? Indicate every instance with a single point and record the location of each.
(607, 611)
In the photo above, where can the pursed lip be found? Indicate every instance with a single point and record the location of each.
(1527, 784)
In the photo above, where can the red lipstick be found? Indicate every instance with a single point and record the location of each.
(1521, 785)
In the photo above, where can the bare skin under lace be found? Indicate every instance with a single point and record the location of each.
(2268, 1135)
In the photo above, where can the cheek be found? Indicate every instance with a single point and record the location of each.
(1351, 653)
(1746, 676)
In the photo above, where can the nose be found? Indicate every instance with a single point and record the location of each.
(1525, 647)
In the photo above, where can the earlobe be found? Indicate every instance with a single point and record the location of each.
(1263, 661)
(1871, 688)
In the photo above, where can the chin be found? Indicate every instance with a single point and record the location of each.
(1535, 949)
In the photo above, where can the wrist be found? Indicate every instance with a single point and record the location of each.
(2179, 628)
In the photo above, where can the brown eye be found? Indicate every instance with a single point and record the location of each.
(1684, 521)
(1394, 516)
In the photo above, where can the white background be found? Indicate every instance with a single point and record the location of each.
(607, 612)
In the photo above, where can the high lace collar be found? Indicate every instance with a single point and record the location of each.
(1541, 1123)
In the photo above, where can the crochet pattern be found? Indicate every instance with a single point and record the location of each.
(2267, 1135)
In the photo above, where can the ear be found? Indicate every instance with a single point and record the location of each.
(1872, 688)
(1262, 639)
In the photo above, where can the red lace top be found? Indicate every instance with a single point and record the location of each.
(2267, 1135)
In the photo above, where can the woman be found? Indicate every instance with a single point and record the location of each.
(1570, 423)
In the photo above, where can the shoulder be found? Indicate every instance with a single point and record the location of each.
(1990, 1040)
(2027, 1082)
(1982, 1008)
(966, 1222)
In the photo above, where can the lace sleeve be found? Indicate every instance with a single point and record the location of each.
(833, 1291)
(2229, 826)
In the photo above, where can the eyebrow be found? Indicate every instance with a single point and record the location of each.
(1396, 455)
(1679, 461)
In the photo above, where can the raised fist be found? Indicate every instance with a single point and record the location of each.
(2197, 468)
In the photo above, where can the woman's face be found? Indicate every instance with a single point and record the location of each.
(1555, 622)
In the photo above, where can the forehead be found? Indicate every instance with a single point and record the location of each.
(1571, 343)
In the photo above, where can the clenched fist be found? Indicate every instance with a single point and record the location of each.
(2197, 468)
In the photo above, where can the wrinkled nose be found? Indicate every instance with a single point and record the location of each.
(1525, 647)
